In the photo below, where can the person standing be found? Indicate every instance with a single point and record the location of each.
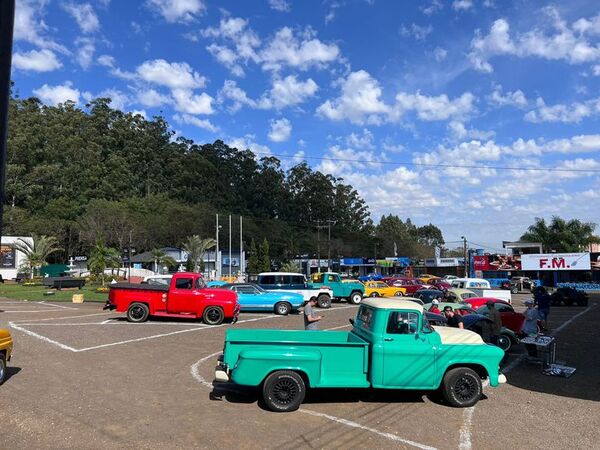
(496, 322)
(434, 306)
(530, 325)
(454, 320)
(311, 318)
(543, 301)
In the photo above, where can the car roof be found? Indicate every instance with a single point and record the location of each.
(391, 303)
(228, 285)
(460, 291)
(281, 273)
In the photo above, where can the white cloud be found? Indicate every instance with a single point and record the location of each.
(515, 98)
(231, 91)
(434, 7)
(572, 113)
(177, 10)
(197, 122)
(462, 5)
(85, 51)
(173, 75)
(459, 131)
(360, 141)
(555, 42)
(85, 16)
(280, 130)
(280, 5)
(435, 108)
(288, 91)
(392, 148)
(119, 100)
(140, 112)
(418, 32)
(30, 26)
(109, 61)
(440, 54)
(53, 95)
(152, 99)
(188, 102)
(247, 142)
(37, 61)
(359, 101)
(342, 161)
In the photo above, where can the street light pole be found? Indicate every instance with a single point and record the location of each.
(229, 248)
(217, 267)
(465, 256)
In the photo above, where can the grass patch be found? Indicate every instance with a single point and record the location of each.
(36, 293)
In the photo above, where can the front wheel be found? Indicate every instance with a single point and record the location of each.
(374, 294)
(462, 387)
(283, 308)
(504, 342)
(514, 290)
(213, 315)
(355, 298)
(137, 312)
(2, 368)
(398, 294)
(284, 391)
(324, 301)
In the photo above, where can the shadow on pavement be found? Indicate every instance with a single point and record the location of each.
(10, 372)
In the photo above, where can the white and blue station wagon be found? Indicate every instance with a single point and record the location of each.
(252, 297)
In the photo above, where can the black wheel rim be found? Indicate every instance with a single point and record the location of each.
(2, 369)
(285, 391)
(213, 315)
(465, 388)
(137, 313)
(504, 342)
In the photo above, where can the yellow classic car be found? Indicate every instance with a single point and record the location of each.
(381, 289)
(426, 277)
(6, 346)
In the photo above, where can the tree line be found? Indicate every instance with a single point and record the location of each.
(97, 174)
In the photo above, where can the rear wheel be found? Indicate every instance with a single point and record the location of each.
(514, 290)
(462, 387)
(284, 391)
(137, 312)
(213, 315)
(324, 301)
(355, 298)
(398, 294)
(504, 342)
(374, 294)
(2, 368)
(283, 308)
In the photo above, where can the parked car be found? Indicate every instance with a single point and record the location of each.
(439, 284)
(381, 289)
(215, 283)
(370, 277)
(6, 346)
(437, 320)
(427, 295)
(481, 287)
(476, 302)
(410, 284)
(295, 283)
(351, 291)
(510, 318)
(520, 284)
(449, 277)
(391, 346)
(426, 278)
(252, 297)
(569, 296)
(158, 280)
(458, 295)
(187, 297)
(459, 308)
(477, 323)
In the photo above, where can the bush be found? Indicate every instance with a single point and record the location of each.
(102, 290)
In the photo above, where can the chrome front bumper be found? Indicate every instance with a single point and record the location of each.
(222, 372)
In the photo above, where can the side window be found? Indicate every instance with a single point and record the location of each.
(318, 278)
(184, 283)
(279, 280)
(331, 278)
(267, 279)
(503, 308)
(245, 289)
(364, 317)
(200, 284)
(403, 323)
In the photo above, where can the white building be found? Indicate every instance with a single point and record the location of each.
(10, 258)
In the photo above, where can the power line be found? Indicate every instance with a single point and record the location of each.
(406, 163)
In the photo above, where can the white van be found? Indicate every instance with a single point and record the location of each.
(482, 288)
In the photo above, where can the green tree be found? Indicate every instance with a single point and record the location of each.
(37, 252)
(290, 266)
(161, 258)
(561, 235)
(102, 258)
(253, 266)
(196, 248)
(264, 259)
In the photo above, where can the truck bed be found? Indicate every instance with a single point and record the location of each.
(329, 358)
(140, 287)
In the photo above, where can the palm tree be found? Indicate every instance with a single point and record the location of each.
(37, 252)
(161, 258)
(561, 235)
(290, 266)
(103, 257)
(196, 248)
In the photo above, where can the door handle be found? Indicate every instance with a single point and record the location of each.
(388, 339)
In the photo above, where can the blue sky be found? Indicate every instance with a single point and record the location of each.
(429, 109)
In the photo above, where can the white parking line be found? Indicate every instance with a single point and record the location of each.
(336, 328)
(68, 317)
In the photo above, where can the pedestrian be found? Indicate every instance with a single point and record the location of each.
(530, 325)
(454, 320)
(311, 318)
(495, 322)
(543, 300)
(434, 306)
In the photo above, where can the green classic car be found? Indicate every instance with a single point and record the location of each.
(391, 346)
(6, 346)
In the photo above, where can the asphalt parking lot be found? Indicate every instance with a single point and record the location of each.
(84, 378)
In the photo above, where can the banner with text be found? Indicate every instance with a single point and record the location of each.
(556, 261)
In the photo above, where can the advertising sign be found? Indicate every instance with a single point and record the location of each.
(504, 262)
(556, 261)
(352, 262)
(7, 257)
(481, 263)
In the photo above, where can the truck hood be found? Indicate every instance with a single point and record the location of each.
(457, 336)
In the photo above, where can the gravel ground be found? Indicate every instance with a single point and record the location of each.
(81, 378)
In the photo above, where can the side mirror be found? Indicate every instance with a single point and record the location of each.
(351, 321)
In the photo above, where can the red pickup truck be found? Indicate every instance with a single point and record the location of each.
(186, 297)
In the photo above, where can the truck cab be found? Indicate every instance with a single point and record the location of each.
(391, 346)
(351, 291)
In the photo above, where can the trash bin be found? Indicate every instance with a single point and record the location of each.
(77, 298)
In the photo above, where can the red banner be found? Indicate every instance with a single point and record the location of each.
(481, 263)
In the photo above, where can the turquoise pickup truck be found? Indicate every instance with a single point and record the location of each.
(391, 346)
(351, 290)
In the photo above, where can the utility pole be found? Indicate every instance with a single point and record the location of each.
(465, 255)
(129, 258)
(241, 249)
(7, 20)
(318, 246)
(329, 246)
(229, 245)
(217, 266)
(375, 259)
